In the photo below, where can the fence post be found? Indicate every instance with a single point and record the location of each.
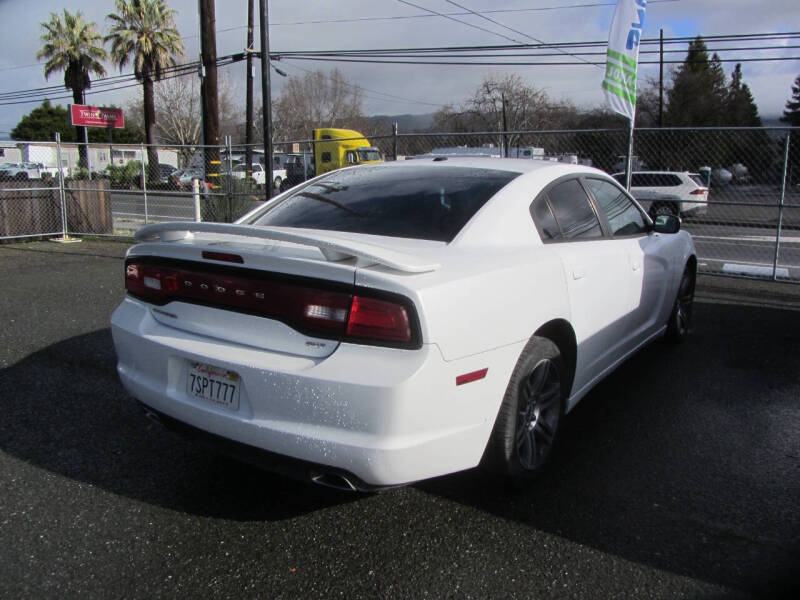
(144, 186)
(61, 194)
(394, 139)
(196, 197)
(780, 205)
(229, 177)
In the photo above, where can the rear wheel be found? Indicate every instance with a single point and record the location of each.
(681, 317)
(527, 425)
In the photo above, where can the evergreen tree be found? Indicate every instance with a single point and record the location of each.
(792, 113)
(41, 124)
(698, 93)
(742, 109)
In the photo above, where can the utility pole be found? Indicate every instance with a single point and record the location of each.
(266, 99)
(208, 90)
(661, 80)
(248, 134)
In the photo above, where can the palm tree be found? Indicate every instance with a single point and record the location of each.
(143, 33)
(74, 46)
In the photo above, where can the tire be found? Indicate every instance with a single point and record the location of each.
(663, 208)
(680, 319)
(21, 177)
(529, 420)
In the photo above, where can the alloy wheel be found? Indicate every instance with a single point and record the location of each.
(538, 414)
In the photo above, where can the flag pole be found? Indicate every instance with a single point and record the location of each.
(622, 62)
(629, 159)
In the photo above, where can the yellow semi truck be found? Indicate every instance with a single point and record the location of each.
(337, 148)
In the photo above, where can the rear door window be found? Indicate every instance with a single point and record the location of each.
(572, 210)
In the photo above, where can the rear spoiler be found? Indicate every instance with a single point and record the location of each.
(332, 248)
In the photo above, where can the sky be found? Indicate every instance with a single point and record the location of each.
(423, 88)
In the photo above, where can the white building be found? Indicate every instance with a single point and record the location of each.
(100, 155)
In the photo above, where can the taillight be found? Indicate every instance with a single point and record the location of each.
(319, 312)
(379, 320)
(698, 191)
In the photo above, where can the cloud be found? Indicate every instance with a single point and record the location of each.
(770, 82)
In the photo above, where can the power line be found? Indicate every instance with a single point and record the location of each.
(432, 56)
(458, 21)
(429, 15)
(389, 96)
(535, 53)
(530, 37)
(520, 64)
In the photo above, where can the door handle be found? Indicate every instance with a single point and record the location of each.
(636, 265)
(578, 273)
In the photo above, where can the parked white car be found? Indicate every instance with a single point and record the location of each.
(27, 170)
(668, 192)
(259, 174)
(387, 323)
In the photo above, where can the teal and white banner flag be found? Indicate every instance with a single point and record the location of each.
(622, 58)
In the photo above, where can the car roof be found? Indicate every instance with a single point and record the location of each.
(512, 165)
(656, 173)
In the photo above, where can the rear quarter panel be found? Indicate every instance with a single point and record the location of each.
(483, 300)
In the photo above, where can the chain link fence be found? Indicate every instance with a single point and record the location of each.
(736, 189)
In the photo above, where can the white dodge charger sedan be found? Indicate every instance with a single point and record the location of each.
(383, 324)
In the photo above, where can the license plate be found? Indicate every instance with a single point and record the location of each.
(213, 384)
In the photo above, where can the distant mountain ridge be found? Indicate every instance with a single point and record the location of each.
(405, 123)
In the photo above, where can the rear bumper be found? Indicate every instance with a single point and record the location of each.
(386, 416)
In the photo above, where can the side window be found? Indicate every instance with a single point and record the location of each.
(572, 211)
(326, 157)
(674, 180)
(637, 180)
(543, 217)
(622, 215)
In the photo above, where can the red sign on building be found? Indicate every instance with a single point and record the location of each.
(96, 116)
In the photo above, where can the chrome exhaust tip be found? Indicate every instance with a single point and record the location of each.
(333, 480)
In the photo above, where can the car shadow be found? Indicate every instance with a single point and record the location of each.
(71, 416)
(684, 459)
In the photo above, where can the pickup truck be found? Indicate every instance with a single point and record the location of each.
(26, 170)
(259, 174)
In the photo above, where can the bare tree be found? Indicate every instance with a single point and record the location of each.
(526, 108)
(178, 110)
(317, 100)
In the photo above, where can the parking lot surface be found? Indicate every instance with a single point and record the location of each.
(677, 477)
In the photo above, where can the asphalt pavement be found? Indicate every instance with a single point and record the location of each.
(677, 477)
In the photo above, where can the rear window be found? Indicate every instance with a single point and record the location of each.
(697, 178)
(427, 203)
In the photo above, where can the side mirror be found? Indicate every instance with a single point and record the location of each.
(666, 224)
